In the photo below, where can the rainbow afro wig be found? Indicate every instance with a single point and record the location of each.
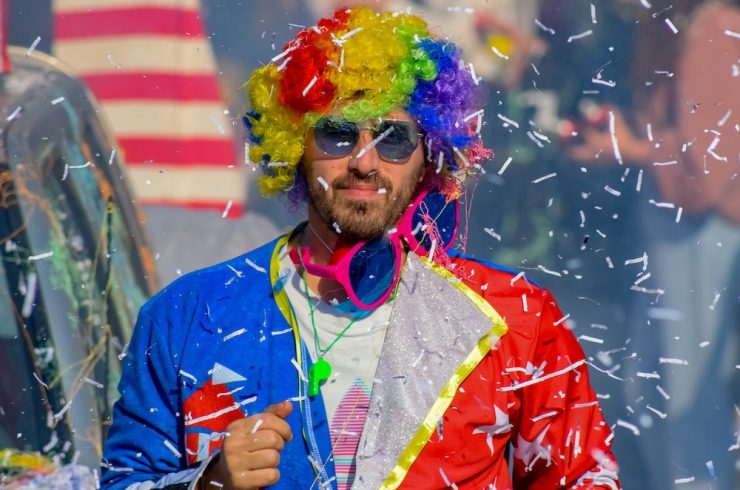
(363, 64)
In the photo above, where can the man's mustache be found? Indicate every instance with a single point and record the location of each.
(352, 180)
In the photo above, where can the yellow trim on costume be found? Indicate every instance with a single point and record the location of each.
(283, 303)
(420, 439)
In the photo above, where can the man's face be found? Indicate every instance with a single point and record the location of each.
(364, 195)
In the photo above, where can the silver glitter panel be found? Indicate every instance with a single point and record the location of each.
(433, 328)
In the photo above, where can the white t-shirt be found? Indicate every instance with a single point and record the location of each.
(353, 358)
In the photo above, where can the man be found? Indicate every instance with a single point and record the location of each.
(359, 350)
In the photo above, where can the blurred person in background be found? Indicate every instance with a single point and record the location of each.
(681, 134)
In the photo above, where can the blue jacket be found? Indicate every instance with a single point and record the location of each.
(214, 345)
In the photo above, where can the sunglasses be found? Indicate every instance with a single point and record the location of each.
(395, 140)
(369, 271)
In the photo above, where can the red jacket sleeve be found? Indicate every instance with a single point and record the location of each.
(560, 438)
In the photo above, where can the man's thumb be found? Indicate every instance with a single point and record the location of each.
(281, 409)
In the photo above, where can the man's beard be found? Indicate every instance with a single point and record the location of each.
(360, 219)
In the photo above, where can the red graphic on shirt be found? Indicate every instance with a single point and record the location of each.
(208, 412)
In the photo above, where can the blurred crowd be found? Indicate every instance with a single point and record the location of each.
(614, 184)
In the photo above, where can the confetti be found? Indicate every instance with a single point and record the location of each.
(516, 278)
(543, 27)
(600, 81)
(714, 301)
(235, 333)
(678, 214)
(587, 338)
(492, 233)
(172, 448)
(374, 142)
(559, 372)
(189, 376)
(45, 255)
(615, 143)
(254, 266)
(638, 260)
(298, 368)
(505, 166)
(710, 468)
(657, 412)
(671, 26)
(732, 34)
(310, 84)
(544, 416)
(499, 53)
(507, 121)
(548, 271)
(58, 100)
(257, 425)
(13, 114)
(466, 10)
(32, 48)
(473, 76)
(39, 380)
(29, 301)
(351, 33)
(236, 406)
(629, 426)
(92, 382)
(544, 177)
(642, 278)
(227, 209)
(440, 162)
(109, 55)
(561, 320)
(679, 481)
(473, 115)
(580, 36)
(282, 55)
(670, 360)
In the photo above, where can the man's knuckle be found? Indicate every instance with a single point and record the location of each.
(273, 476)
(273, 438)
(273, 457)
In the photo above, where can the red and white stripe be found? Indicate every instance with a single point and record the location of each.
(151, 66)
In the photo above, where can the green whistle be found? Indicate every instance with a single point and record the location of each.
(318, 373)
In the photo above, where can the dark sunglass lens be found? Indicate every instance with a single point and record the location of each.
(399, 141)
(336, 136)
(444, 216)
(372, 270)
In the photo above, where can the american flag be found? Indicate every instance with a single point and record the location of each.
(151, 66)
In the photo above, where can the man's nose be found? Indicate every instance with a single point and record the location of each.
(364, 161)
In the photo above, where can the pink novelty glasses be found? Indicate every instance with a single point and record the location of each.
(369, 270)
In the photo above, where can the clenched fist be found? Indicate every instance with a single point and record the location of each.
(251, 451)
